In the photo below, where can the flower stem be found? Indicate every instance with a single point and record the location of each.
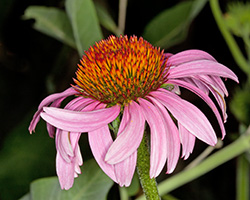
(149, 185)
(232, 45)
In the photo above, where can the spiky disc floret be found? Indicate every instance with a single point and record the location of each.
(120, 69)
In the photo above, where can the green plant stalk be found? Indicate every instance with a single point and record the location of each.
(232, 45)
(236, 148)
(123, 193)
(149, 185)
(242, 178)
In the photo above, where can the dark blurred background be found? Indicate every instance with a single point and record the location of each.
(33, 65)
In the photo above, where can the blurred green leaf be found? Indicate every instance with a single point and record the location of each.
(168, 197)
(24, 158)
(26, 197)
(134, 187)
(106, 20)
(237, 18)
(171, 26)
(240, 105)
(92, 184)
(132, 190)
(84, 22)
(53, 22)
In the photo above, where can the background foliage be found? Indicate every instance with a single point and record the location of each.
(40, 44)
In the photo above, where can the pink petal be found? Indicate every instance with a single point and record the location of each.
(124, 170)
(205, 97)
(75, 104)
(63, 145)
(158, 152)
(66, 171)
(80, 121)
(68, 92)
(220, 84)
(215, 82)
(197, 83)
(66, 142)
(79, 160)
(130, 138)
(78, 103)
(189, 56)
(187, 141)
(218, 92)
(188, 115)
(54, 97)
(172, 136)
(100, 140)
(201, 67)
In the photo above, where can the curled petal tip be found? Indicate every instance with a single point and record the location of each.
(169, 171)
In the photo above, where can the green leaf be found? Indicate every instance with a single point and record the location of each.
(24, 158)
(92, 184)
(240, 105)
(171, 26)
(134, 187)
(84, 22)
(106, 20)
(26, 197)
(51, 21)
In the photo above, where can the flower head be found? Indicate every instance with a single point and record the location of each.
(130, 79)
(118, 70)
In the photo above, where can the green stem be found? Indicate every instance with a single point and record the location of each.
(242, 178)
(236, 148)
(232, 45)
(149, 185)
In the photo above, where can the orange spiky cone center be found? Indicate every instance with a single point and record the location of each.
(120, 69)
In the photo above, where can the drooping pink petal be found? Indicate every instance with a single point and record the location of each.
(50, 128)
(189, 56)
(220, 84)
(63, 145)
(48, 100)
(201, 67)
(124, 170)
(205, 97)
(79, 103)
(172, 136)
(187, 141)
(158, 152)
(66, 141)
(129, 140)
(213, 81)
(79, 160)
(100, 140)
(197, 83)
(80, 121)
(219, 97)
(217, 91)
(66, 172)
(213, 84)
(188, 115)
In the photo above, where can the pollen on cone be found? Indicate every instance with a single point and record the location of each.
(120, 69)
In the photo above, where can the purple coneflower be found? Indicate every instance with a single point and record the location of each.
(128, 78)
